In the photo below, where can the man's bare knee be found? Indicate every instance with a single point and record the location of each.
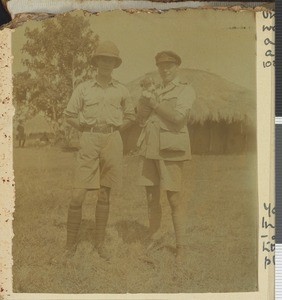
(78, 196)
(174, 199)
(104, 194)
(153, 192)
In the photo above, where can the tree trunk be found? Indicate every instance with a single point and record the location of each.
(54, 113)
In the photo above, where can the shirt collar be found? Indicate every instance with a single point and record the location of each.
(113, 82)
(174, 82)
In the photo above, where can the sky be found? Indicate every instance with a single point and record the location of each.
(220, 42)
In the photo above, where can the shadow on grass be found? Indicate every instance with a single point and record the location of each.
(87, 231)
(69, 149)
(131, 231)
(128, 231)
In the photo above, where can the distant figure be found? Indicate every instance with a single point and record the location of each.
(44, 138)
(21, 134)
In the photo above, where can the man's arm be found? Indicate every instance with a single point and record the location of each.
(74, 122)
(74, 107)
(177, 115)
(164, 110)
(169, 114)
(126, 124)
(128, 111)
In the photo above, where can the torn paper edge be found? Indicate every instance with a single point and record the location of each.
(62, 6)
(21, 18)
(7, 190)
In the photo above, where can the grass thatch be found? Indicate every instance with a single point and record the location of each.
(217, 98)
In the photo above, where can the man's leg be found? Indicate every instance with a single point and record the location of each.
(154, 208)
(178, 218)
(150, 178)
(74, 217)
(111, 158)
(102, 215)
(73, 225)
(101, 219)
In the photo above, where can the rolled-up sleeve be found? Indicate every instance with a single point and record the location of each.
(75, 103)
(185, 100)
(127, 106)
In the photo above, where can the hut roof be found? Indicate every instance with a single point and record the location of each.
(217, 98)
(38, 124)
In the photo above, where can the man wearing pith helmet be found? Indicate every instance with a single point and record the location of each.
(165, 146)
(100, 108)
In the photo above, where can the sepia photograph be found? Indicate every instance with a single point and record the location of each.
(135, 153)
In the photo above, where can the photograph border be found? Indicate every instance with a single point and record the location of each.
(265, 143)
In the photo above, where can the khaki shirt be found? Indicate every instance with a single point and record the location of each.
(161, 139)
(93, 105)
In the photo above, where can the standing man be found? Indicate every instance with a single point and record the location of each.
(100, 109)
(164, 145)
(21, 134)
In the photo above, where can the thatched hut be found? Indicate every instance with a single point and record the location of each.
(38, 125)
(222, 119)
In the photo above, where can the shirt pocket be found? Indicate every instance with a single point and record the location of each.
(116, 111)
(169, 102)
(174, 140)
(116, 105)
(91, 108)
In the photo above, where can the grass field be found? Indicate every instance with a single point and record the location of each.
(221, 214)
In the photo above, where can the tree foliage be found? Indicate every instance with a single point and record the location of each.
(58, 57)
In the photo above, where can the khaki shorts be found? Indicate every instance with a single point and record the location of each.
(99, 161)
(166, 174)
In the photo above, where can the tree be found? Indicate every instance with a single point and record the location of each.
(59, 56)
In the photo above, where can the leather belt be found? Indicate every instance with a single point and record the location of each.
(100, 129)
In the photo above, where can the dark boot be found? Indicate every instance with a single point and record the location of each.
(73, 226)
(101, 220)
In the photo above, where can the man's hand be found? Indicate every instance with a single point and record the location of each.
(165, 111)
(126, 124)
(150, 99)
(74, 123)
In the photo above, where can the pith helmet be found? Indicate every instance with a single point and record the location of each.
(108, 49)
(167, 56)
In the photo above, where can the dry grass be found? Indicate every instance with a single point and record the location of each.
(221, 211)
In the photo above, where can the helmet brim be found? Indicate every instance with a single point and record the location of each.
(117, 58)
